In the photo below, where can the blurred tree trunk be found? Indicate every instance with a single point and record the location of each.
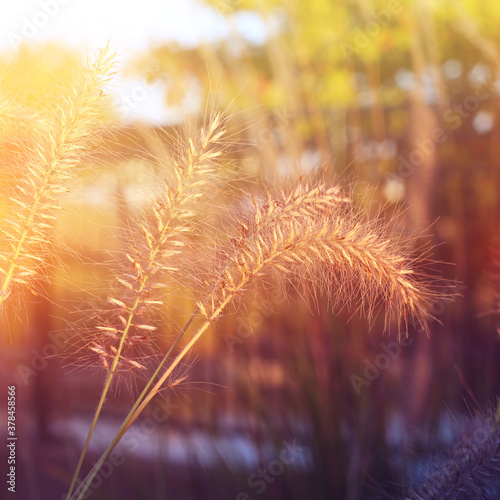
(422, 155)
(422, 147)
(377, 111)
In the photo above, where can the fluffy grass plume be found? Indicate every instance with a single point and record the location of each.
(151, 258)
(155, 254)
(59, 140)
(312, 233)
(466, 467)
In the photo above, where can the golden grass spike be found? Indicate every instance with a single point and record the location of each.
(330, 242)
(59, 139)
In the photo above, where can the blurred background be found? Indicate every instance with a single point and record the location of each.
(397, 99)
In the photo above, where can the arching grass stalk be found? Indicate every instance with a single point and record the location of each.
(161, 241)
(320, 240)
(148, 394)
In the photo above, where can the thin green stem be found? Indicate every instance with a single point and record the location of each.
(123, 428)
(104, 393)
(89, 435)
(117, 356)
(177, 201)
(146, 395)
